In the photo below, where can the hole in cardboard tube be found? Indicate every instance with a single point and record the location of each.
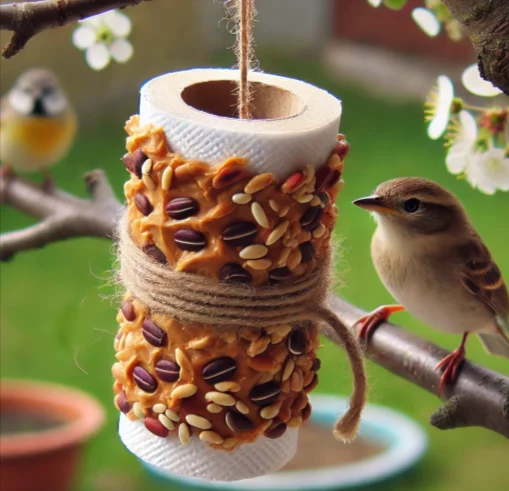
(219, 97)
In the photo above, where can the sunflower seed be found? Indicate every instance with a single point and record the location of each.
(144, 380)
(188, 239)
(146, 167)
(237, 422)
(259, 346)
(259, 264)
(277, 430)
(154, 252)
(265, 394)
(295, 422)
(219, 370)
(295, 258)
(220, 398)
(319, 231)
(167, 371)
(182, 208)
(234, 273)
(154, 334)
(229, 442)
(307, 250)
(143, 204)
(284, 211)
(297, 343)
(280, 274)
(240, 233)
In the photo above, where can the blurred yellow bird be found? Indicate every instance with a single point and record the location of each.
(37, 123)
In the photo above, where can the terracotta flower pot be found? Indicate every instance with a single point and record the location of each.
(43, 429)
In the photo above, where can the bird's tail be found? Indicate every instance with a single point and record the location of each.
(495, 343)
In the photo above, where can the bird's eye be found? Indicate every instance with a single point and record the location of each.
(411, 205)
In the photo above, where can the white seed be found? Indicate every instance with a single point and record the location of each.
(259, 214)
(255, 251)
(167, 178)
(166, 422)
(259, 264)
(304, 198)
(316, 201)
(242, 407)
(184, 391)
(184, 434)
(290, 365)
(282, 329)
(229, 442)
(181, 358)
(199, 343)
(259, 346)
(284, 211)
(159, 408)
(277, 233)
(211, 437)
(295, 422)
(295, 258)
(138, 410)
(146, 168)
(284, 256)
(319, 231)
(270, 412)
(214, 408)
(172, 415)
(149, 182)
(198, 422)
(220, 398)
(241, 198)
(274, 205)
(258, 183)
(227, 386)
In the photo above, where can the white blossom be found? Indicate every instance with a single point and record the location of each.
(103, 37)
(427, 21)
(460, 153)
(375, 3)
(440, 101)
(473, 82)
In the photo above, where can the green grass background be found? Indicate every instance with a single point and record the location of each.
(58, 319)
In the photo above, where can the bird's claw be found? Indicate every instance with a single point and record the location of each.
(371, 321)
(451, 365)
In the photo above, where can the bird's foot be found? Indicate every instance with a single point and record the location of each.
(451, 365)
(48, 185)
(371, 321)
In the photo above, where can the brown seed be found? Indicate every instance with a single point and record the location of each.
(188, 239)
(211, 437)
(122, 402)
(234, 273)
(184, 391)
(220, 398)
(154, 426)
(323, 176)
(280, 274)
(259, 214)
(134, 161)
(316, 364)
(306, 412)
(300, 402)
(295, 422)
(293, 183)
(319, 231)
(228, 175)
(258, 183)
(311, 218)
(276, 430)
(190, 170)
(198, 422)
(309, 387)
(259, 346)
(199, 343)
(219, 370)
(334, 179)
(308, 378)
(154, 252)
(143, 204)
(237, 422)
(289, 366)
(297, 343)
(144, 380)
(240, 233)
(265, 394)
(182, 208)
(154, 334)
(342, 148)
(167, 371)
(295, 258)
(324, 198)
(128, 311)
(184, 433)
(307, 249)
(166, 422)
(297, 381)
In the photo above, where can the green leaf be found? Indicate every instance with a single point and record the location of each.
(395, 4)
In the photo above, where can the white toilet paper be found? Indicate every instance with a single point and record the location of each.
(300, 128)
(197, 459)
(281, 145)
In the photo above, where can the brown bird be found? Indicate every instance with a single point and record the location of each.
(434, 263)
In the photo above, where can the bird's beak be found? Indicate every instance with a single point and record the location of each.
(373, 203)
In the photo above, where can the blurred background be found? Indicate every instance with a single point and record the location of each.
(57, 319)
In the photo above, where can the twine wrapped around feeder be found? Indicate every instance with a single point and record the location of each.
(224, 254)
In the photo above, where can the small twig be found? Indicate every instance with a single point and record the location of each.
(63, 215)
(480, 397)
(26, 19)
(244, 55)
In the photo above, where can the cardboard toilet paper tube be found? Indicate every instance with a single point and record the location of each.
(295, 126)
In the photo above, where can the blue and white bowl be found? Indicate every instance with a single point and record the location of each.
(404, 443)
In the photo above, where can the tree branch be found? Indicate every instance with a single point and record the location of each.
(26, 19)
(63, 215)
(487, 24)
(480, 397)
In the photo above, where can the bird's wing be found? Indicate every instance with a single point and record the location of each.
(482, 277)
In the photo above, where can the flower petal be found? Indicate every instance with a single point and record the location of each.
(456, 160)
(121, 50)
(95, 22)
(427, 21)
(489, 171)
(468, 127)
(442, 109)
(98, 56)
(473, 82)
(83, 37)
(375, 3)
(118, 22)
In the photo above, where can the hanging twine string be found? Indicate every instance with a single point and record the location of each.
(244, 49)
(194, 298)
